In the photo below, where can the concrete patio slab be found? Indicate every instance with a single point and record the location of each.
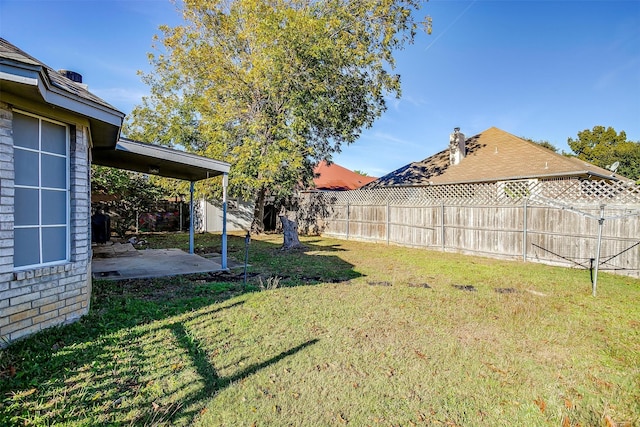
(123, 261)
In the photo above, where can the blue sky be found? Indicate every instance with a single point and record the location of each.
(541, 69)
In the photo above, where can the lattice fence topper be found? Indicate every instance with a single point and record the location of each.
(558, 193)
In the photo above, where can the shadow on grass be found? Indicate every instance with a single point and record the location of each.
(336, 247)
(132, 359)
(95, 371)
(213, 383)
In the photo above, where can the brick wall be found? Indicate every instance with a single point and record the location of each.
(32, 300)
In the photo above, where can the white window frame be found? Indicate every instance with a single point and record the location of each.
(42, 186)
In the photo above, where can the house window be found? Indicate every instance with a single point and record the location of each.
(41, 215)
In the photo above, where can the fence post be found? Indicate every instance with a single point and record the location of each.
(524, 232)
(347, 220)
(442, 225)
(388, 221)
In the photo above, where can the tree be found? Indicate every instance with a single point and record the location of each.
(547, 145)
(273, 86)
(130, 192)
(361, 173)
(604, 146)
(544, 143)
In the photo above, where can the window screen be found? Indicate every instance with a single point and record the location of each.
(41, 211)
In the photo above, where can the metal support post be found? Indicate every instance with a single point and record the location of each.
(225, 183)
(247, 240)
(191, 218)
(595, 273)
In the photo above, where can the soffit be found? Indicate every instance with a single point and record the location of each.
(156, 160)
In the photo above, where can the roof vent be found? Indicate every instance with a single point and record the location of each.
(71, 75)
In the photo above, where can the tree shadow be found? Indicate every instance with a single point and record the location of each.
(337, 247)
(265, 260)
(149, 374)
(421, 172)
(213, 383)
(140, 318)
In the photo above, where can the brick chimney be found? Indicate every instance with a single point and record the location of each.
(457, 149)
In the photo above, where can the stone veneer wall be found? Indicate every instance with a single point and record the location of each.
(32, 300)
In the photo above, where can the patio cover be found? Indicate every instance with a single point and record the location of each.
(169, 163)
(157, 160)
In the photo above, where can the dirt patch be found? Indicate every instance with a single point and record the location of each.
(163, 288)
(507, 290)
(419, 285)
(220, 276)
(467, 288)
(379, 283)
(104, 274)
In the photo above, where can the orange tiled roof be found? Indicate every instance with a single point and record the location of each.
(493, 155)
(335, 177)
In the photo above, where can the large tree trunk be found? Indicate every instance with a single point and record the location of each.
(290, 232)
(257, 225)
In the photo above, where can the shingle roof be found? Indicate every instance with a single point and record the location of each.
(9, 52)
(336, 177)
(492, 155)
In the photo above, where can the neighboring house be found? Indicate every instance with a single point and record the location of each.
(333, 177)
(51, 128)
(240, 215)
(492, 156)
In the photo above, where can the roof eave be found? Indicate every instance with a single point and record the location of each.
(105, 122)
(157, 160)
(576, 174)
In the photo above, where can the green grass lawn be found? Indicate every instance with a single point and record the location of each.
(353, 334)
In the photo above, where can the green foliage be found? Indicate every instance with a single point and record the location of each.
(604, 146)
(125, 194)
(543, 143)
(272, 87)
(547, 145)
(361, 173)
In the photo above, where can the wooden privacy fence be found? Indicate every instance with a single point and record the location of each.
(554, 222)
